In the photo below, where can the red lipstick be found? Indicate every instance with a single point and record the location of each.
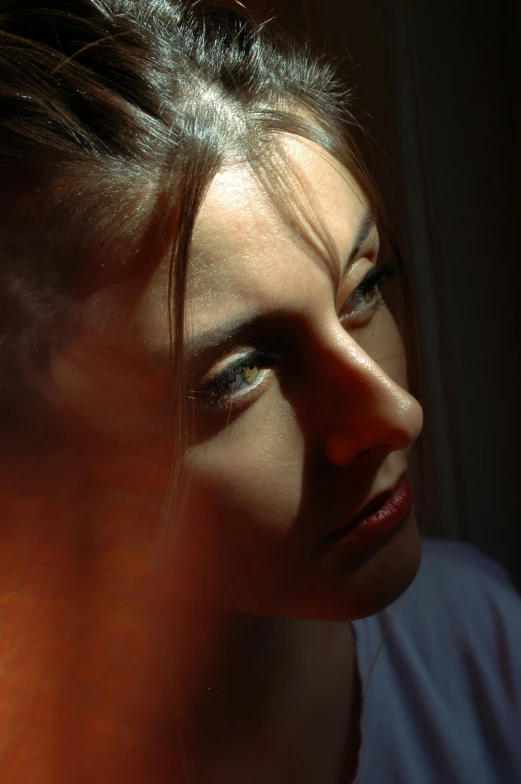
(380, 518)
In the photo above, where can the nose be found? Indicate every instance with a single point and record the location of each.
(365, 404)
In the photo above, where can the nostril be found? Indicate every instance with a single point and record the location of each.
(339, 448)
(344, 446)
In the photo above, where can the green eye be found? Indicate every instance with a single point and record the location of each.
(367, 293)
(242, 375)
(369, 296)
(250, 373)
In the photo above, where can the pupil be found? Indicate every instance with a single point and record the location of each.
(250, 372)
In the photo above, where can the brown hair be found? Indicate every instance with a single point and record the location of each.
(114, 117)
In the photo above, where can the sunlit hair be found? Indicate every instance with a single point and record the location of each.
(115, 116)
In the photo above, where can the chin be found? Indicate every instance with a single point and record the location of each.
(352, 593)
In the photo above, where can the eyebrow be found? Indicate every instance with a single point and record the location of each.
(228, 332)
(366, 226)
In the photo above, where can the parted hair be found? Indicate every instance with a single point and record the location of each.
(114, 117)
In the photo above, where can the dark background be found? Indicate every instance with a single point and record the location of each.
(439, 87)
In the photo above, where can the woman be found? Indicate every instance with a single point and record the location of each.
(207, 425)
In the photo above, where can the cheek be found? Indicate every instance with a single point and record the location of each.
(107, 379)
(383, 342)
(244, 488)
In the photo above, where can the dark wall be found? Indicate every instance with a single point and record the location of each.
(439, 90)
(457, 87)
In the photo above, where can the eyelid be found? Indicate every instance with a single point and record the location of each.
(347, 289)
(267, 360)
(376, 276)
(266, 356)
(224, 365)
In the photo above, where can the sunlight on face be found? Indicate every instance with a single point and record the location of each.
(298, 381)
(299, 386)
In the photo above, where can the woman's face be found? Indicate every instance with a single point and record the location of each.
(298, 380)
(300, 393)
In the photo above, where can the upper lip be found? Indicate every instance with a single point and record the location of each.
(368, 509)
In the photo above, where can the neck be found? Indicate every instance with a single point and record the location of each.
(268, 699)
(83, 682)
(242, 698)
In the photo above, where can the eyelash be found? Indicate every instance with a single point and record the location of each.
(375, 278)
(214, 392)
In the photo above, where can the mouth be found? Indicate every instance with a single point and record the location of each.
(379, 518)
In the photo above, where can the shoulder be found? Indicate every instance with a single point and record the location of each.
(458, 559)
(462, 593)
(445, 659)
(462, 616)
(458, 591)
(458, 579)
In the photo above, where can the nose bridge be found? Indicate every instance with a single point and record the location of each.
(364, 407)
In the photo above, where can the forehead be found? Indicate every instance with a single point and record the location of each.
(244, 248)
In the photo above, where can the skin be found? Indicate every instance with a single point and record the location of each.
(281, 464)
(294, 457)
(240, 614)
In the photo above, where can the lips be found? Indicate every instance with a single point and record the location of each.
(379, 517)
(376, 503)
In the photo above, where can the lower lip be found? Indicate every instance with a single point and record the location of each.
(395, 509)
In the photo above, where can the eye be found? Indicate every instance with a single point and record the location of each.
(237, 381)
(367, 295)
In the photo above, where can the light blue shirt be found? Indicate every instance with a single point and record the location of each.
(443, 701)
